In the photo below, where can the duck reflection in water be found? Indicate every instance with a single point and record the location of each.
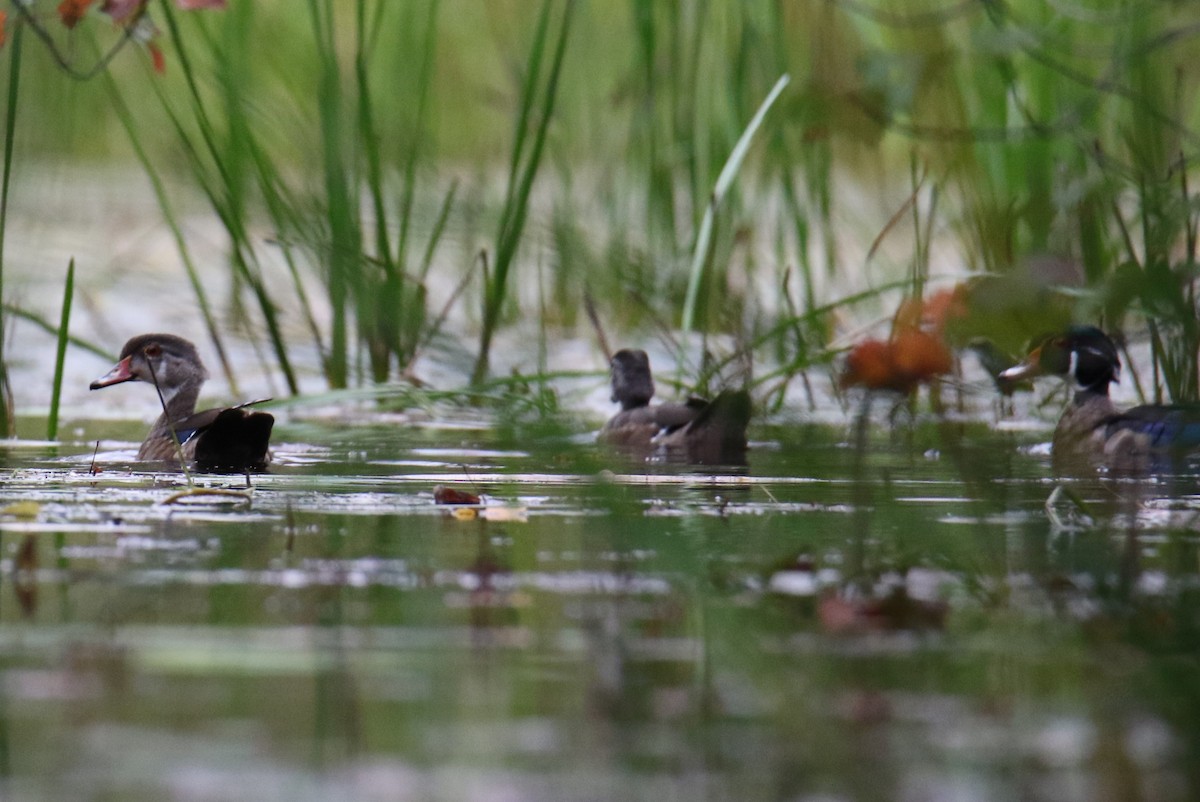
(698, 431)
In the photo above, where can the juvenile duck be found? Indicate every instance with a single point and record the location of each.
(230, 440)
(1092, 429)
(704, 432)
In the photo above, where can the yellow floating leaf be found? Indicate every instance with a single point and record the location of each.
(23, 509)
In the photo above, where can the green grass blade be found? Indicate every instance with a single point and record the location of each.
(50, 328)
(513, 218)
(344, 247)
(702, 254)
(439, 227)
(121, 108)
(64, 326)
(10, 127)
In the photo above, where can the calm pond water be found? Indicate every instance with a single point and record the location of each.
(899, 622)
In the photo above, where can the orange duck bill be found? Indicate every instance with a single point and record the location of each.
(120, 373)
(1030, 368)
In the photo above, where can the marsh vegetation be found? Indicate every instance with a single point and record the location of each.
(421, 227)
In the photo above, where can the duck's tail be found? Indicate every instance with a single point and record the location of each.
(718, 434)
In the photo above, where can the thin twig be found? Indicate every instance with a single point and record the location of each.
(130, 30)
(589, 305)
(192, 492)
(432, 331)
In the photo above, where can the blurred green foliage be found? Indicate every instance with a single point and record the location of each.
(916, 139)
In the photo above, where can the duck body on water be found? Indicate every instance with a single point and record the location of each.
(698, 431)
(221, 440)
(1092, 430)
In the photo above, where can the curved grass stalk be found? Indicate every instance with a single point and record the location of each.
(703, 251)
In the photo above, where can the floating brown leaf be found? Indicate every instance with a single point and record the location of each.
(449, 495)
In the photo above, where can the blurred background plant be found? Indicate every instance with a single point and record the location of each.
(375, 166)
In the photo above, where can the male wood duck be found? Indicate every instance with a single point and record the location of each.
(1092, 428)
(231, 440)
(704, 432)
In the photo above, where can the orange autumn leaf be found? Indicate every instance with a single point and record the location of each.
(869, 364)
(72, 11)
(944, 306)
(912, 356)
(3, 27)
(919, 356)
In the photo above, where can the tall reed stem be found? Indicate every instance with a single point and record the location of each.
(10, 127)
(64, 326)
(523, 169)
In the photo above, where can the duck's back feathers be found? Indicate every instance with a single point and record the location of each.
(717, 436)
(640, 425)
(235, 441)
(1174, 427)
(703, 432)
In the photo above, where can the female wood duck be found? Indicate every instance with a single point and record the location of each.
(231, 440)
(1092, 428)
(704, 432)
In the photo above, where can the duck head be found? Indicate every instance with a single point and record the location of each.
(1085, 354)
(166, 360)
(632, 381)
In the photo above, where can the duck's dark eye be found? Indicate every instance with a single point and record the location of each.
(153, 349)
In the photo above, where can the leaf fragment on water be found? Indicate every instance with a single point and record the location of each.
(505, 514)
(443, 494)
(23, 509)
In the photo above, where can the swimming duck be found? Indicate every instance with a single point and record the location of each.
(704, 432)
(230, 440)
(1092, 428)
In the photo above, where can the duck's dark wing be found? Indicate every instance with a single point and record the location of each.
(1173, 427)
(675, 416)
(638, 426)
(230, 440)
(196, 423)
(702, 432)
(716, 434)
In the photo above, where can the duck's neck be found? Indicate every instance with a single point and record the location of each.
(179, 402)
(1090, 408)
(1091, 395)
